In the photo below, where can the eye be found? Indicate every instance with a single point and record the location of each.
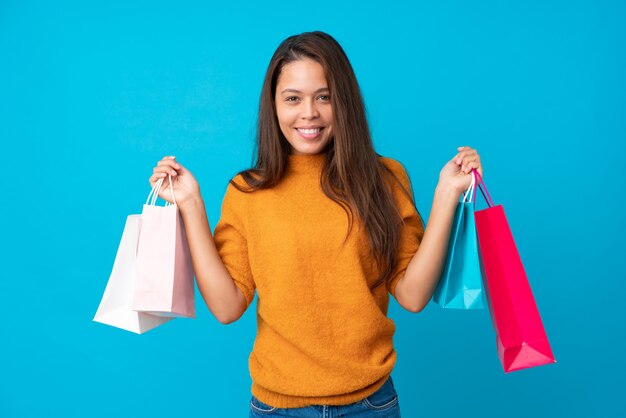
(288, 99)
(325, 97)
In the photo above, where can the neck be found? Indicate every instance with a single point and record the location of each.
(306, 163)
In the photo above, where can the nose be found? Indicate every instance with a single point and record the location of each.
(309, 110)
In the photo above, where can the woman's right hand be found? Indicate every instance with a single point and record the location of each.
(184, 183)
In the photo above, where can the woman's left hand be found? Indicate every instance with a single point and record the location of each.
(457, 172)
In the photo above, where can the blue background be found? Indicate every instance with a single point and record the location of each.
(93, 95)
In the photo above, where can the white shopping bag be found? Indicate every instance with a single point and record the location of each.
(164, 285)
(115, 306)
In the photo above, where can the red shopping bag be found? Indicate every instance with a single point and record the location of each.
(520, 337)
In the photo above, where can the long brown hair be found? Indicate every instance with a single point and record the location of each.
(352, 175)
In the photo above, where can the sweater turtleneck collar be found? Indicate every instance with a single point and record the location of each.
(306, 163)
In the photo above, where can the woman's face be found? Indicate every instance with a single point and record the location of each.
(303, 106)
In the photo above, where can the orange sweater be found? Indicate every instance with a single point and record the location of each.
(323, 337)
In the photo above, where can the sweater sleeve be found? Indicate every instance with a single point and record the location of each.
(412, 230)
(230, 241)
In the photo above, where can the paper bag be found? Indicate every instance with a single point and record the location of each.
(165, 279)
(115, 306)
(520, 336)
(461, 283)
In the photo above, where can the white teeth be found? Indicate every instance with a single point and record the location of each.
(309, 131)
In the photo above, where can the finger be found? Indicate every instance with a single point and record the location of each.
(469, 157)
(169, 157)
(467, 152)
(165, 169)
(463, 154)
(470, 166)
(462, 157)
(458, 159)
(170, 163)
(466, 167)
(156, 176)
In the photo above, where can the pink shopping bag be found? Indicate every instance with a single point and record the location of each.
(165, 280)
(115, 306)
(520, 336)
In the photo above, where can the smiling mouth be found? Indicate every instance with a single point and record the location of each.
(309, 133)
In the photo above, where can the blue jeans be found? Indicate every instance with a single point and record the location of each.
(381, 404)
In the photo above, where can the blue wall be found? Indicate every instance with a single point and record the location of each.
(91, 96)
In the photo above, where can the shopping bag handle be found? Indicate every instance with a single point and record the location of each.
(471, 191)
(154, 193)
(483, 188)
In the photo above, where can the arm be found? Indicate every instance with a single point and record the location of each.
(416, 287)
(225, 301)
(420, 280)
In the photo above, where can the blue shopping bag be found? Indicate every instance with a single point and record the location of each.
(461, 284)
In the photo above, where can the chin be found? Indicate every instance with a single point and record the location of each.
(300, 148)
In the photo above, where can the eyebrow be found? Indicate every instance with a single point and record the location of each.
(298, 91)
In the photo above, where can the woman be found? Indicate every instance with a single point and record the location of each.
(323, 228)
